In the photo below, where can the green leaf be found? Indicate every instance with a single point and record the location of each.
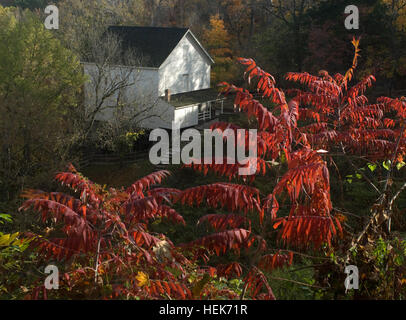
(387, 164)
(197, 289)
(283, 157)
(5, 217)
(372, 166)
(359, 176)
(400, 165)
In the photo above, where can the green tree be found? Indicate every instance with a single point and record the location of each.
(39, 83)
(32, 4)
(81, 22)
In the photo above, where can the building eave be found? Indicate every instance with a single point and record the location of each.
(200, 45)
(197, 42)
(122, 66)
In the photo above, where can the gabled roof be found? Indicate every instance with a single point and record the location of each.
(155, 44)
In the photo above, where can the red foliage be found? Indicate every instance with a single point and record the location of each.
(226, 240)
(223, 195)
(231, 270)
(255, 281)
(108, 229)
(270, 262)
(334, 117)
(223, 222)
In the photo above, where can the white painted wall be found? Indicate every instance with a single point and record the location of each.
(186, 59)
(162, 114)
(186, 69)
(142, 92)
(187, 117)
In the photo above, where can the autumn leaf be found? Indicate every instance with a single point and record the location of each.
(142, 279)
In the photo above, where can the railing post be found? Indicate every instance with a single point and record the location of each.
(210, 111)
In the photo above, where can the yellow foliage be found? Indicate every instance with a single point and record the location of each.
(8, 239)
(397, 9)
(218, 42)
(7, 18)
(142, 279)
(217, 36)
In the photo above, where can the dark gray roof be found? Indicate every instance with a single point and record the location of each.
(153, 43)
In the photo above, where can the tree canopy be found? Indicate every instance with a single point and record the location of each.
(39, 84)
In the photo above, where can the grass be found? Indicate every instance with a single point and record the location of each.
(115, 176)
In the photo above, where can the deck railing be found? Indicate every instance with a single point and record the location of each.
(207, 114)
